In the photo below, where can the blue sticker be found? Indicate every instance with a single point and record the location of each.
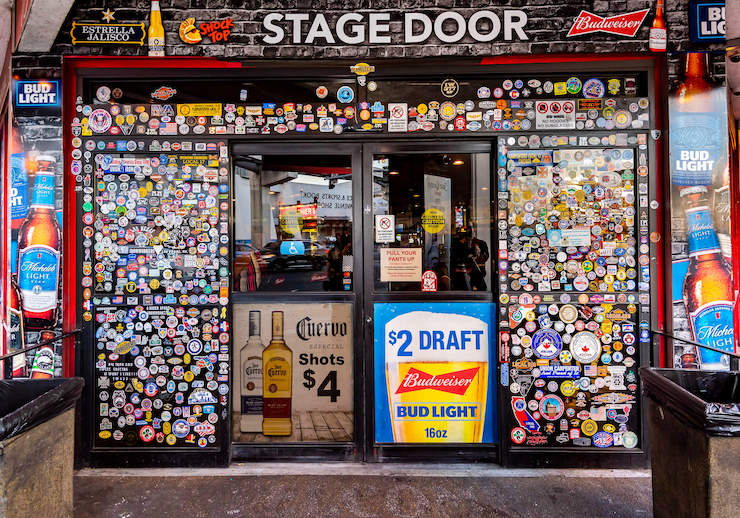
(345, 94)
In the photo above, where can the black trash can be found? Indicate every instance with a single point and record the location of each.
(37, 446)
(694, 419)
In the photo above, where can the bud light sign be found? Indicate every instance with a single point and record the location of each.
(707, 21)
(433, 363)
(38, 94)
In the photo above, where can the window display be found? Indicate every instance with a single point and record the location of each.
(293, 223)
(574, 281)
(432, 211)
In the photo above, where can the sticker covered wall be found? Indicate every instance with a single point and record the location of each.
(433, 366)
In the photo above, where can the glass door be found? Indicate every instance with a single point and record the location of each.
(296, 350)
(428, 298)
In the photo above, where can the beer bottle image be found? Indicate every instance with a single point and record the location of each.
(277, 382)
(43, 361)
(156, 31)
(39, 242)
(707, 289)
(250, 360)
(698, 126)
(18, 179)
(17, 334)
(658, 34)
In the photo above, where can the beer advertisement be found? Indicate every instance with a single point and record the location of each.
(294, 379)
(433, 366)
(700, 218)
(35, 226)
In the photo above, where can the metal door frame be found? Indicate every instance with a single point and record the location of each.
(324, 450)
(377, 452)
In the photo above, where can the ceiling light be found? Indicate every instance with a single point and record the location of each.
(394, 173)
(458, 162)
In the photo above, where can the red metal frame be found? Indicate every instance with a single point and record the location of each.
(734, 164)
(72, 64)
(5, 129)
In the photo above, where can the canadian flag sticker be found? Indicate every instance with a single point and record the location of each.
(621, 24)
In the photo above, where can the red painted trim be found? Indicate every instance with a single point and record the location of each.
(69, 233)
(662, 179)
(734, 163)
(5, 128)
(73, 63)
(565, 58)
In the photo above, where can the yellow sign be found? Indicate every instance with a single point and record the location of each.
(362, 69)
(200, 109)
(433, 220)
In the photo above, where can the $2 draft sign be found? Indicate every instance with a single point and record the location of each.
(432, 373)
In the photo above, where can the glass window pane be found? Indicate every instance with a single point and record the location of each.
(438, 206)
(293, 223)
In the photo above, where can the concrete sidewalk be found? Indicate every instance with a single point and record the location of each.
(329, 490)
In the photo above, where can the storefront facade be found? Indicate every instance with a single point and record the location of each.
(337, 234)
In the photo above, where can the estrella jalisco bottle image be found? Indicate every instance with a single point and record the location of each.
(707, 289)
(155, 33)
(277, 385)
(39, 242)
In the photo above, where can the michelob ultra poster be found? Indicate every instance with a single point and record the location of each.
(433, 370)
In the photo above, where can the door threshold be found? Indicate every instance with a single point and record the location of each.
(253, 469)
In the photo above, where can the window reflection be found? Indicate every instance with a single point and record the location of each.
(293, 223)
(439, 206)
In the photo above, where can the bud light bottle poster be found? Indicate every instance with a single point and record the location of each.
(700, 211)
(433, 373)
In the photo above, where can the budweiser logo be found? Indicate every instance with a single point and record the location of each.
(622, 24)
(453, 382)
(163, 93)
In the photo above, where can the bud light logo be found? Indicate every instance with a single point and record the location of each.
(697, 143)
(38, 277)
(37, 94)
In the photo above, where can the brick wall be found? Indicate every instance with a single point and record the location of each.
(549, 21)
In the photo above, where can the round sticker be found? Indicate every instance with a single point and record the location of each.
(629, 439)
(100, 121)
(593, 89)
(547, 344)
(518, 435)
(589, 427)
(345, 94)
(450, 88)
(551, 407)
(585, 347)
(433, 220)
(568, 313)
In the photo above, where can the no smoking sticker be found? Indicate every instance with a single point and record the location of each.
(385, 225)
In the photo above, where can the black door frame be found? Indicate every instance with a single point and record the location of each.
(353, 450)
(384, 452)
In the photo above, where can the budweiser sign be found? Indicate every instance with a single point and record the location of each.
(621, 25)
(453, 382)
